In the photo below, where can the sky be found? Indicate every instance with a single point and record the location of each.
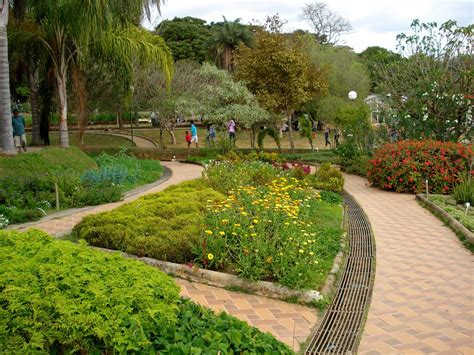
(375, 23)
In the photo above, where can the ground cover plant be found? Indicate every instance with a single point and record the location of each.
(28, 181)
(164, 226)
(280, 231)
(456, 210)
(60, 297)
(404, 166)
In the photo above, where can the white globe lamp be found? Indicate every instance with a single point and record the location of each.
(352, 95)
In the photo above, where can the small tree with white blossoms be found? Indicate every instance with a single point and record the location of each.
(428, 93)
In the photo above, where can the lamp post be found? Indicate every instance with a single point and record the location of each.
(131, 114)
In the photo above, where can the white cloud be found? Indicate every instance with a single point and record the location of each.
(374, 22)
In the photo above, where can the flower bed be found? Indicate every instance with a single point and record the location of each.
(404, 166)
(280, 232)
(60, 297)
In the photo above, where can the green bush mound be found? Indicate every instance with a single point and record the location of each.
(165, 226)
(456, 210)
(327, 178)
(58, 297)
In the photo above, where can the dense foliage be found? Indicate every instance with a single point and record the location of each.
(27, 183)
(279, 231)
(80, 300)
(404, 166)
(327, 178)
(457, 211)
(165, 226)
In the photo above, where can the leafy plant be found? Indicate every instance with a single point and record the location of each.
(327, 178)
(81, 300)
(464, 191)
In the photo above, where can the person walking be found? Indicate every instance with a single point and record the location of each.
(337, 134)
(194, 134)
(19, 137)
(327, 131)
(231, 130)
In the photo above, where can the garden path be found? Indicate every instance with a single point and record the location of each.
(290, 323)
(423, 297)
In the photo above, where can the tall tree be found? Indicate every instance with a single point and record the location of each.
(225, 39)
(376, 57)
(186, 37)
(6, 129)
(328, 26)
(279, 72)
(71, 29)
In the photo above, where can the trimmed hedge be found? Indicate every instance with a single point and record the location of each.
(404, 166)
(57, 297)
(165, 226)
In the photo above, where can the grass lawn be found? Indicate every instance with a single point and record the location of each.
(242, 139)
(90, 140)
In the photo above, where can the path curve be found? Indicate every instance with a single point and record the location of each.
(140, 142)
(423, 297)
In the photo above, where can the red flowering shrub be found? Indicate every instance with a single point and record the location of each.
(404, 166)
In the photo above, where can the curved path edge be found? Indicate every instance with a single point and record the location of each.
(423, 296)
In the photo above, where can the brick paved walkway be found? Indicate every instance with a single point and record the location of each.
(423, 299)
(288, 322)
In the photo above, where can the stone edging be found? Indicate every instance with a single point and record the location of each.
(453, 223)
(129, 137)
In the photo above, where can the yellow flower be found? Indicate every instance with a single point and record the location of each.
(210, 256)
(255, 221)
(225, 221)
(287, 224)
(253, 234)
(208, 232)
(251, 227)
(233, 233)
(301, 251)
(269, 260)
(237, 225)
(311, 253)
(222, 233)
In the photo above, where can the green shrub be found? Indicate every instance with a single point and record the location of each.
(464, 191)
(19, 215)
(327, 178)
(449, 204)
(57, 297)
(165, 226)
(331, 197)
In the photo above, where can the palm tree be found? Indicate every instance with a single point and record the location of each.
(71, 30)
(6, 130)
(224, 41)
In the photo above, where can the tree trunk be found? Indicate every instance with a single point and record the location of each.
(62, 107)
(290, 136)
(173, 136)
(6, 130)
(162, 142)
(80, 93)
(120, 121)
(33, 79)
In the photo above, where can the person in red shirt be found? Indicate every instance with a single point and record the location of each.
(188, 138)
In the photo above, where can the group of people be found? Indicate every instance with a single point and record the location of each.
(192, 135)
(337, 135)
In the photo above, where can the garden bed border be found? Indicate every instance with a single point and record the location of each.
(453, 223)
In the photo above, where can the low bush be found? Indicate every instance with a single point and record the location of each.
(165, 226)
(404, 166)
(327, 178)
(58, 297)
(278, 232)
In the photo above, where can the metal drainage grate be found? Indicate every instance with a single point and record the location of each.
(342, 324)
